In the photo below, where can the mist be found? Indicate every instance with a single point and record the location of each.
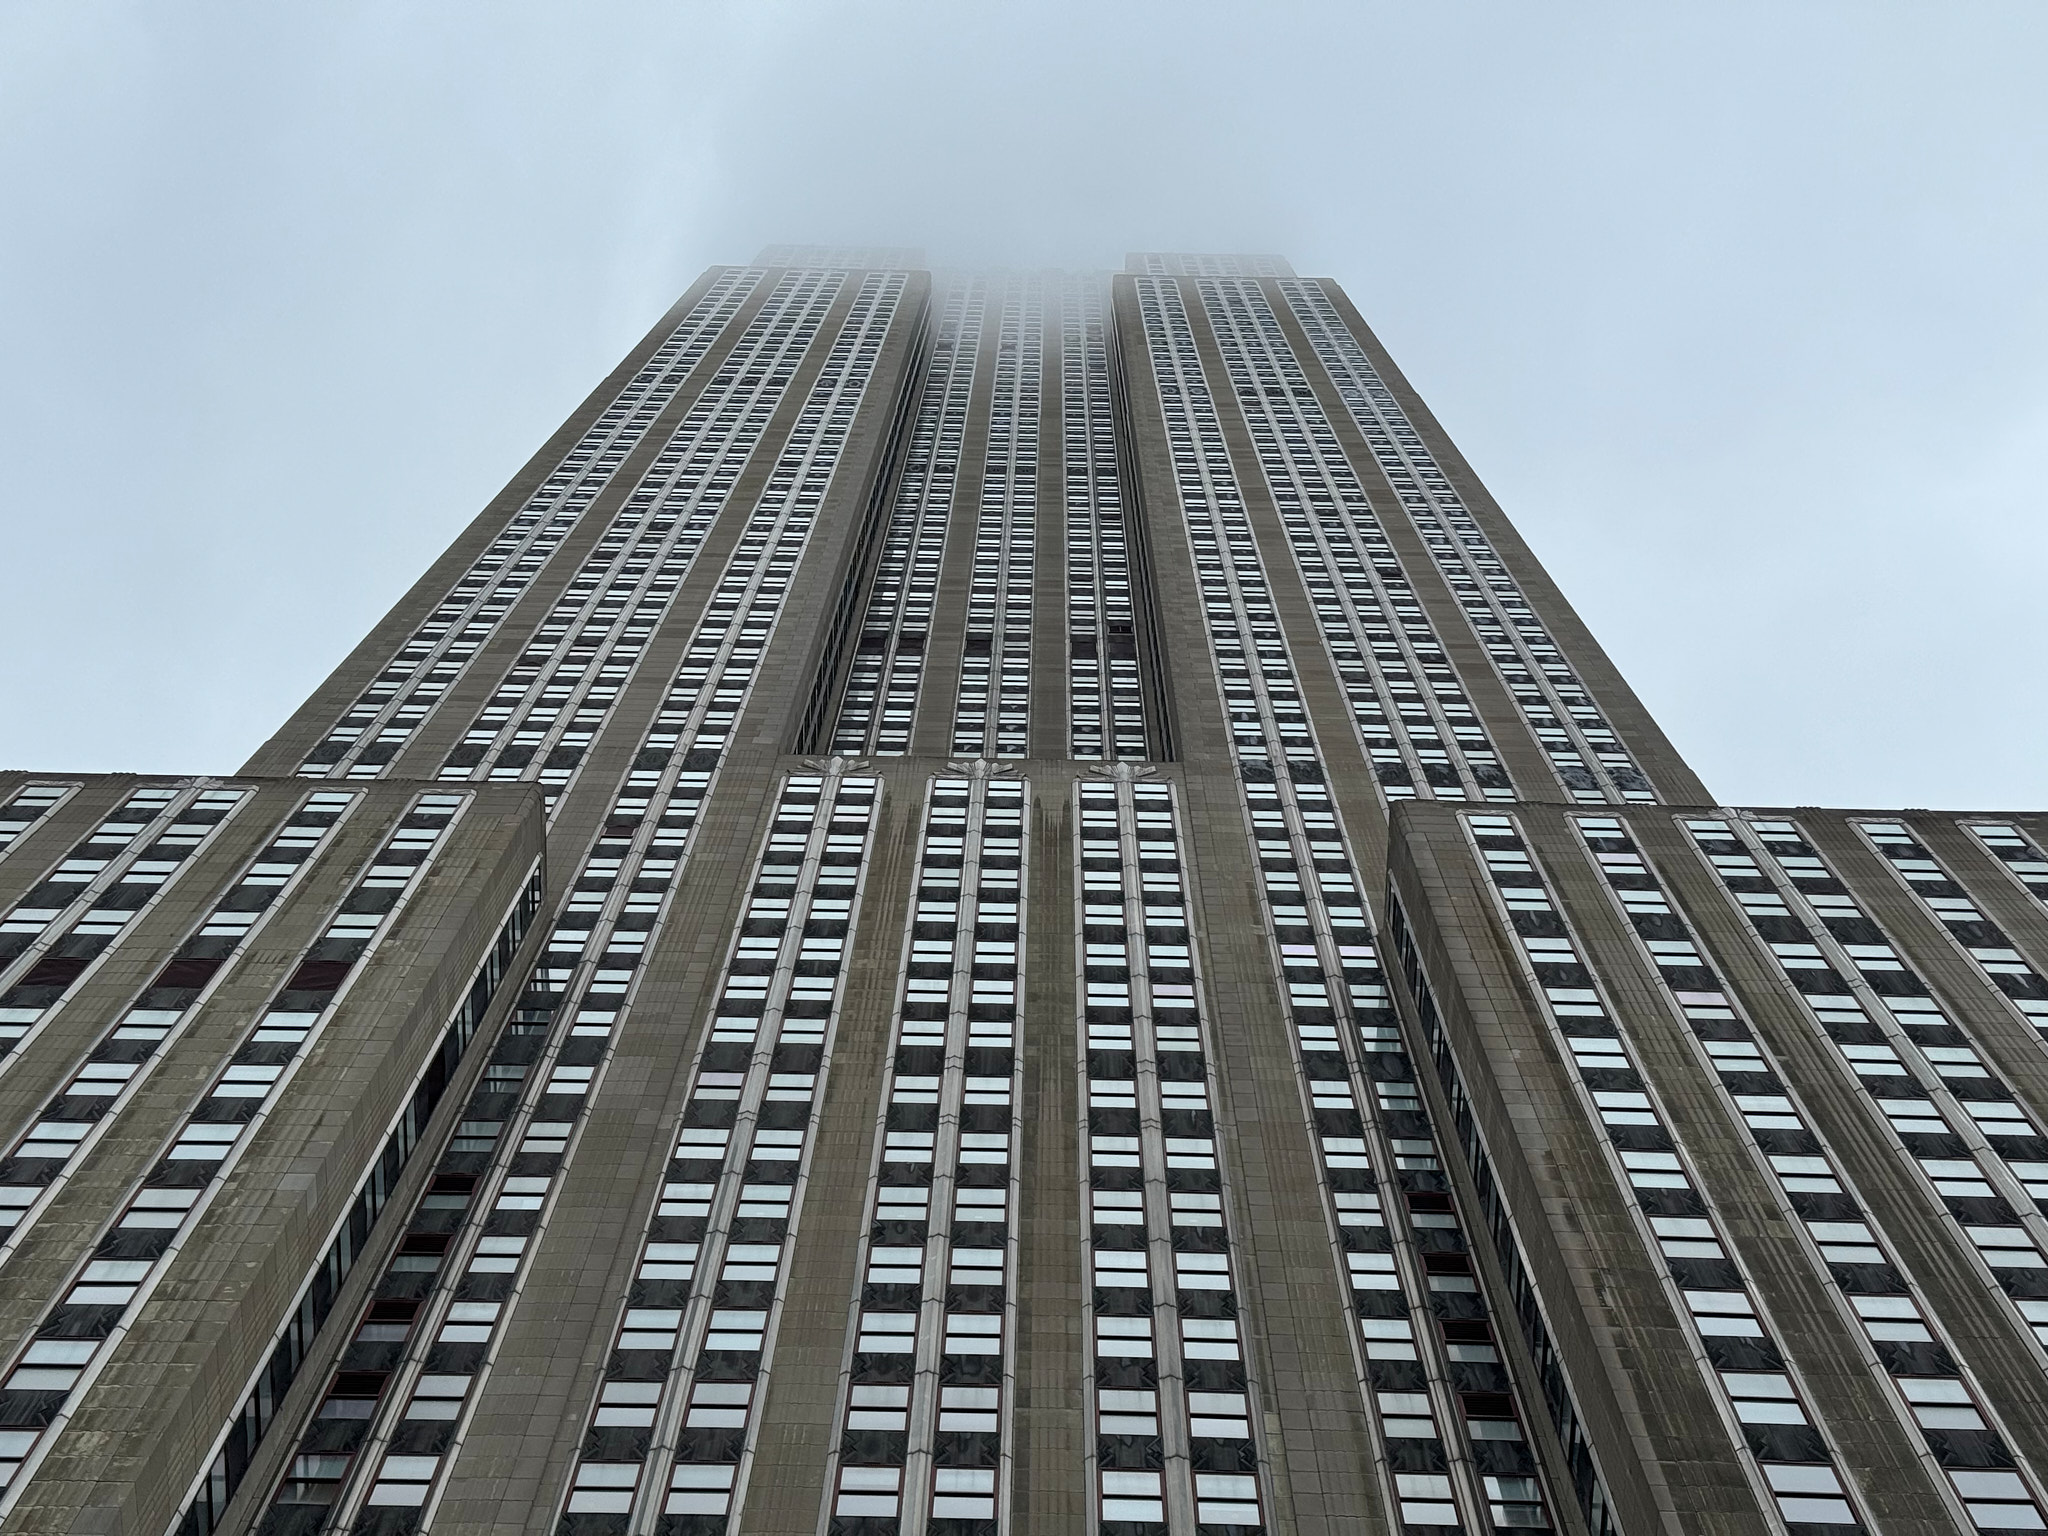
(1738, 309)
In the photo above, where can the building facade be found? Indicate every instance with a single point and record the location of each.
(1005, 903)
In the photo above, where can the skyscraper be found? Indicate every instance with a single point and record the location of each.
(1001, 903)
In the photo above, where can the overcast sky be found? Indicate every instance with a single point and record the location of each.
(1739, 309)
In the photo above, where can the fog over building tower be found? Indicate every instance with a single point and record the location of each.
(994, 903)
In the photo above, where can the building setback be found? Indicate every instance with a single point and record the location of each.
(1005, 903)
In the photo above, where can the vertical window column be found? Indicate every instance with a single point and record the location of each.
(1105, 701)
(1451, 1446)
(668, 1436)
(293, 1343)
(924, 1447)
(992, 711)
(1551, 1374)
(587, 975)
(451, 1289)
(879, 704)
(1172, 1402)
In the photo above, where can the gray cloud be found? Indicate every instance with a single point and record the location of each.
(1738, 308)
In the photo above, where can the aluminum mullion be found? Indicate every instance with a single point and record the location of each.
(1297, 841)
(699, 524)
(815, 441)
(648, 1497)
(919, 1415)
(941, 1191)
(778, 534)
(2032, 1324)
(1188, 1276)
(2014, 852)
(836, 779)
(865, 1250)
(1083, 1128)
(1012, 1186)
(913, 1497)
(398, 1394)
(1415, 1285)
(1173, 1414)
